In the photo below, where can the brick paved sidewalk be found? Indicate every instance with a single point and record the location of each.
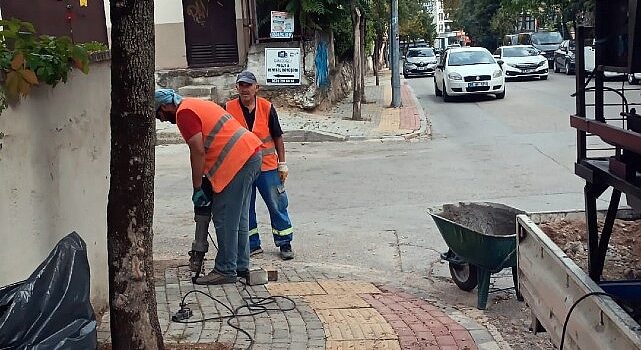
(330, 313)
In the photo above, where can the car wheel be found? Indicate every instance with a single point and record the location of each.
(556, 67)
(543, 77)
(567, 68)
(501, 95)
(632, 80)
(405, 76)
(437, 92)
(446, 97)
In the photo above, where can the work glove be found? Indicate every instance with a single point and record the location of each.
(199, 198)
(282, 171)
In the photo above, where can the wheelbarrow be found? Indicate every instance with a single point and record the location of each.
(481, 238)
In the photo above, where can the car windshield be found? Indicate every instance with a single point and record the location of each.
(519, 51)
(464, 58)
(546, 38)
(421, 53)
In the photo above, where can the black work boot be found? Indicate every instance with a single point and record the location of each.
(286, 252)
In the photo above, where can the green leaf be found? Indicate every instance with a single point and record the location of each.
(29, 26)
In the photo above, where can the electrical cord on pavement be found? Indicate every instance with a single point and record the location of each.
(255, 306)
(567, 317)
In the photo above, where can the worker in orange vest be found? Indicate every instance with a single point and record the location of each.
(225, 161)
(258, 115)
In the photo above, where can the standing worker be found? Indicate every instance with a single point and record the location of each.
(259, 115)
(225, 162)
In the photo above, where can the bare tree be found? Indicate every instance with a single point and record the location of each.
(361, 29)
(357, 63)
(132, 299)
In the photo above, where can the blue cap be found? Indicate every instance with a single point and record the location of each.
(165, 97)
(246, 77)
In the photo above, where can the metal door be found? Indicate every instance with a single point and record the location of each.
(210, 32)
(61, 18)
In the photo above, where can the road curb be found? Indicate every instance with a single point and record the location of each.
(313, 136)
(426, 126)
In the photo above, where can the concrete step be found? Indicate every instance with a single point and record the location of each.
(200, 91)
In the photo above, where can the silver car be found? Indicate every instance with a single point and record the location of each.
(419, 61)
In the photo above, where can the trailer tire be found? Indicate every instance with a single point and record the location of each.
(464, 276)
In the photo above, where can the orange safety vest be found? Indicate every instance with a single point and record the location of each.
(261, 129)
(228, 145)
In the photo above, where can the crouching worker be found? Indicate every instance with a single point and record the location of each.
(225, 162)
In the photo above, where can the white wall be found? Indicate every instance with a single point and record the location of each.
(165, 11)
(169, 33)
(54, 166)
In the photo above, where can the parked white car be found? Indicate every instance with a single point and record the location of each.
(468, 70)
(589, 57)
(522, 61)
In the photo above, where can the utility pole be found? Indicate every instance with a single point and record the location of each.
(394, 48)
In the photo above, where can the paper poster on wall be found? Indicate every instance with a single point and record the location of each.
(282, 25)
(282, 66)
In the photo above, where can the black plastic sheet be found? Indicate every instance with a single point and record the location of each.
(51, 309)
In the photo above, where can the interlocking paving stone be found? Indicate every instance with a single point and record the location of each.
(363, 345)
(330, 314)
(320, 302)
(355, 324)
(348, 287)
(295, 288)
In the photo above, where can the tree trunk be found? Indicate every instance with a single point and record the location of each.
(375, 58)
(357, 63)
(132, 298)
(361, 26)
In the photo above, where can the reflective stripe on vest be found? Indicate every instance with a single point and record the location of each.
(212, 134)
(267, 151)
(227, 144)
(260, 128)
(225, 152)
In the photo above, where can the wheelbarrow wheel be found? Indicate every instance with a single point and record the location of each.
(464, 275)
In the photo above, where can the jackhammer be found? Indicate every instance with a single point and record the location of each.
(200, 246)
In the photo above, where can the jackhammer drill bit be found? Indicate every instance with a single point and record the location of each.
(200, 246)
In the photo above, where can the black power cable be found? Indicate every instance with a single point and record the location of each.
(255, 306)
(567, 317)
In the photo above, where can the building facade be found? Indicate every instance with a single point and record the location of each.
(200, 33)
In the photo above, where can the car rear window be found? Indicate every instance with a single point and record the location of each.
(546, 38)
